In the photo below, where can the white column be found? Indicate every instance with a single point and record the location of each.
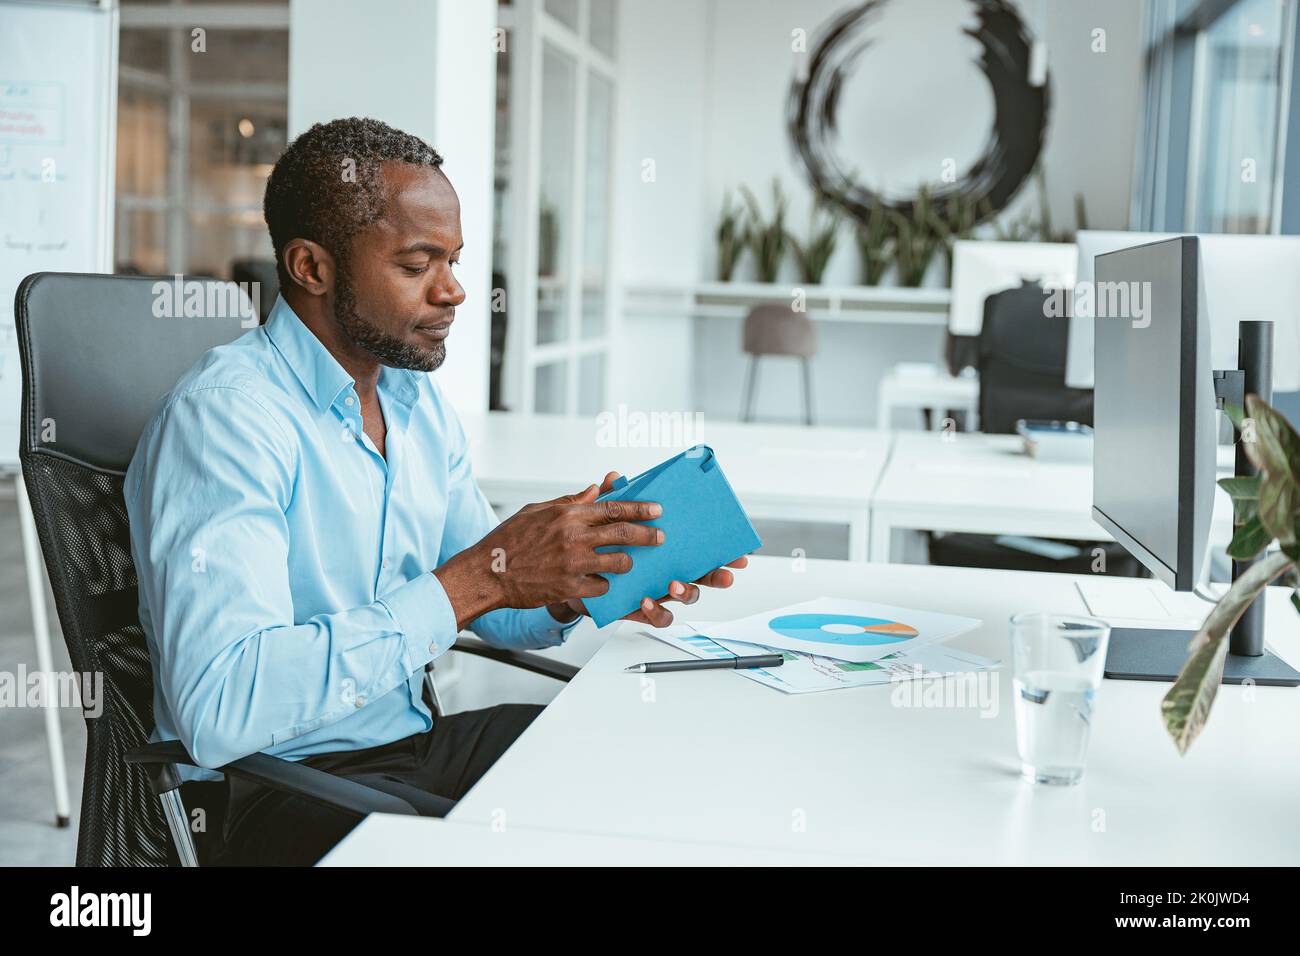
(427, 67)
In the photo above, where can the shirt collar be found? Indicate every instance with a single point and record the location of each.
(318, 370)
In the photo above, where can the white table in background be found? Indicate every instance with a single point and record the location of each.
(986, 484)
(982, 484)
(932, 390)
(384, 839)
(782, 472)
(716, 758)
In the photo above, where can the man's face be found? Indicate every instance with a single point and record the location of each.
(396, 296)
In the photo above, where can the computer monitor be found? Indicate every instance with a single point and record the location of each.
(1154, 417)
(1243, 278)
(981, 268)
(1155, 431)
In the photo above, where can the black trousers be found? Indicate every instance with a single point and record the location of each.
(257, 826)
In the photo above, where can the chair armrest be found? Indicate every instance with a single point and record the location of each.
(534, 663)
(285, 776)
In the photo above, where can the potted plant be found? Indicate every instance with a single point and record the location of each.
(813, 255)
(963, 216)
(1265, 507)
(733, 238)
(875, 245)
(916, 240)
(767, 239)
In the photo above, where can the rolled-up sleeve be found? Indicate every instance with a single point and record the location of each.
(238, 673)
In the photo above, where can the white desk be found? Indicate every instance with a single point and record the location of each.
(715, 758)
(934, 391)
(785, 472)
(986, 484)
(982, 484)
(388, 840)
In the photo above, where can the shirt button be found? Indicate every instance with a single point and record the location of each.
(349, 401)
(385, 562)
(360, 701)
(433, 648)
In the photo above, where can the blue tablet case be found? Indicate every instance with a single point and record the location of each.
(703, 523)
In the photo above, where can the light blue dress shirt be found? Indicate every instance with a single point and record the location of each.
(284, 564)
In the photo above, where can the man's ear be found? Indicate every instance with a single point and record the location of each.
(310, 266)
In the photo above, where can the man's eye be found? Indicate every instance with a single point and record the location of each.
(414, 270)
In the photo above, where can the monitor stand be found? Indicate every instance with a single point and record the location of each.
(1156, 654)
(1139, 653)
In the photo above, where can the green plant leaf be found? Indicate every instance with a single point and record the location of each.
(1244, 493)
(1276, 448)
(1249, 540)
(1186, 707)
(1279, 499)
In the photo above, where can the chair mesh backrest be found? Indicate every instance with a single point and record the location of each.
(96, 360)
(82, 524)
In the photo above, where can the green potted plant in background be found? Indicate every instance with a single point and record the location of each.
(813, 255)
(733, 238)
(875, 245)
(1265, 507)
(916, 240)
(963, 216)
(767, 238)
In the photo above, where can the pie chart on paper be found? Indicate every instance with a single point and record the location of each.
(843, 629)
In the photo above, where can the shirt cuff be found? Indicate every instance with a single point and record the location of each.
(425, 617)
(545, 629)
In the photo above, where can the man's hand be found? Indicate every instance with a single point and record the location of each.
(653, 612)
(546, 555)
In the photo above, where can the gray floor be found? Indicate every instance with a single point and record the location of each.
(28, 836)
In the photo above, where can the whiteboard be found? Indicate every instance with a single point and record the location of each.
(58, 101)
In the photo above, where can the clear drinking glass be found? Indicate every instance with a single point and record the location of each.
(1057, 663)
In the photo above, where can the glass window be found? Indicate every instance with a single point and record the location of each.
(559, 78)
(550, 388)
(1241, 75)
(141, 144)
(591, 383)
(601, 26)
(600, 116)
(140, 245)
(566, 11)
(197, 134)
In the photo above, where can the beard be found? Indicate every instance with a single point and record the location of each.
(388, 348)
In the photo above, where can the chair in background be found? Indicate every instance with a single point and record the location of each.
(261, 271)
(1021, 362)
(777, 329)
(95, 363)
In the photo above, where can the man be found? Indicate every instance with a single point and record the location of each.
(306, 526)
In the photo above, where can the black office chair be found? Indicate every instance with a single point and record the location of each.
(261, 271)
(1021, 360)
(95, 363)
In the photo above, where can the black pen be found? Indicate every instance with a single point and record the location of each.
(757, 660)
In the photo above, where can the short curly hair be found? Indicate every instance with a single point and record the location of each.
(327, 185)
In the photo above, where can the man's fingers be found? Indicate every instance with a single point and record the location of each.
(717, 578)
(625, 534)
(655, 614)
(606, 512)
(608, 483)
(683, 593)
(613, 562)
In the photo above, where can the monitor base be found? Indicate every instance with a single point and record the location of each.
(1137, 653)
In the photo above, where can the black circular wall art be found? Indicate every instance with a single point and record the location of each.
(1014, 143)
